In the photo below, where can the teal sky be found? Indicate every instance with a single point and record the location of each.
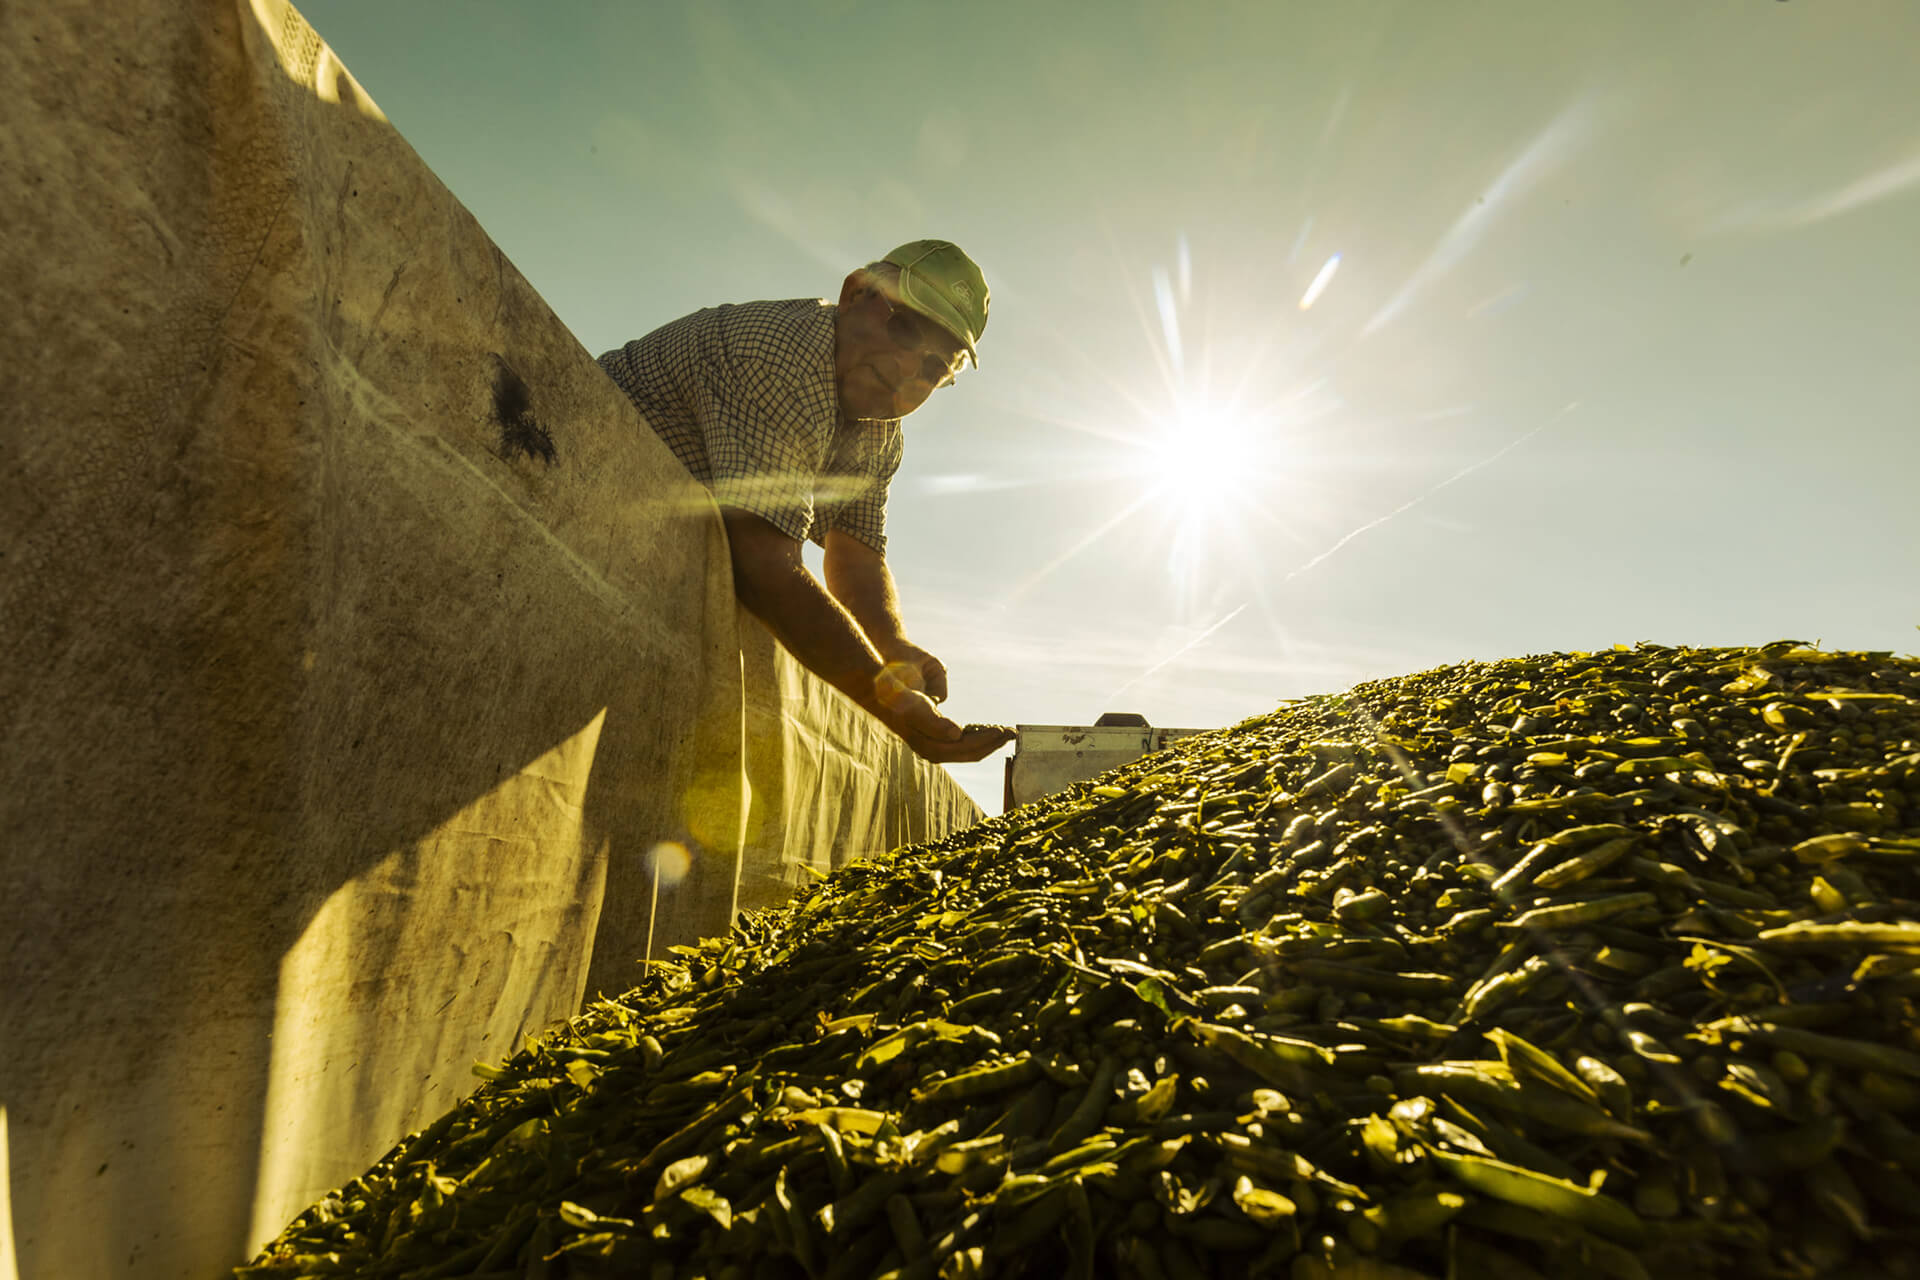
(1620, 343)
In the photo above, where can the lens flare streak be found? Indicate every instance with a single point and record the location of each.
(1548, 149)
(1169, 320)
(1320, 283)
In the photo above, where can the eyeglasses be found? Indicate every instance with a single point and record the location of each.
(909, 331)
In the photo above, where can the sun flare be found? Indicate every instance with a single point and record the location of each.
(1215, 443)
(1205, 457)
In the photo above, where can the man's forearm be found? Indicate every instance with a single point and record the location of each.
(858, 577)
(806, 619)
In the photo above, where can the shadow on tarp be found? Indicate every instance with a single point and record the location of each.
(347, 686)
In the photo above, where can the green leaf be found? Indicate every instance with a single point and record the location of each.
(1154, 993)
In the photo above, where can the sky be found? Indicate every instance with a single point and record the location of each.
(1329, 342)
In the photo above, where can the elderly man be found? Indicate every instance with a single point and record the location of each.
(790, 413)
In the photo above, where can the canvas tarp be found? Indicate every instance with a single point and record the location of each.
(362, 643)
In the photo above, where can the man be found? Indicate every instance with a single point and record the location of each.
(790, 413)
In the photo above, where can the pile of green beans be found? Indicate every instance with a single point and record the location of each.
(1571, 965)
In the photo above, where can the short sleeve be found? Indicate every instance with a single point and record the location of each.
(862, 514)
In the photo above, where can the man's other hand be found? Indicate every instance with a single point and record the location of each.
(929, 673)
(912, 715)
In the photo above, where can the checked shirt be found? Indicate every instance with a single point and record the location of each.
(744, 395)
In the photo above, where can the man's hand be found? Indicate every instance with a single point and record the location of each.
(914, 667)
(912, 715)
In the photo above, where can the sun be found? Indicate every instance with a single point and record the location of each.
(1205, 457)
(1216, 465)
(1213, 442)
(1214, 471)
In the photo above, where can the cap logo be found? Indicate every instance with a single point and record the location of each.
(963, 291)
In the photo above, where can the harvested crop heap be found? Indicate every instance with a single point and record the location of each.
(1576, 965)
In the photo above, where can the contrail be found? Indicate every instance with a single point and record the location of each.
(1417, 499)
(1031, 580)
(1177, 652)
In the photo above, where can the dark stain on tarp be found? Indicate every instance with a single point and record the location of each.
(520, 431)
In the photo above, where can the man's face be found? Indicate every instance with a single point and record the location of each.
(887, 358)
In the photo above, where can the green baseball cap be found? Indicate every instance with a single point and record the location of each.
(944, 285)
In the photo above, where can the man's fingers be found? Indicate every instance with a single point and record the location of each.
(913, 716)
(935, 674)
(918, 670)
(991, 737)
(939, 739)
(896, 680)
(975, 742)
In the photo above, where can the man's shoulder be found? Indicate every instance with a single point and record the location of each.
(796, 319)
(759, 352)
(791, 328)
(791, 332)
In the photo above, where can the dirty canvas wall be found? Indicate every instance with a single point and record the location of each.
(364, 648)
